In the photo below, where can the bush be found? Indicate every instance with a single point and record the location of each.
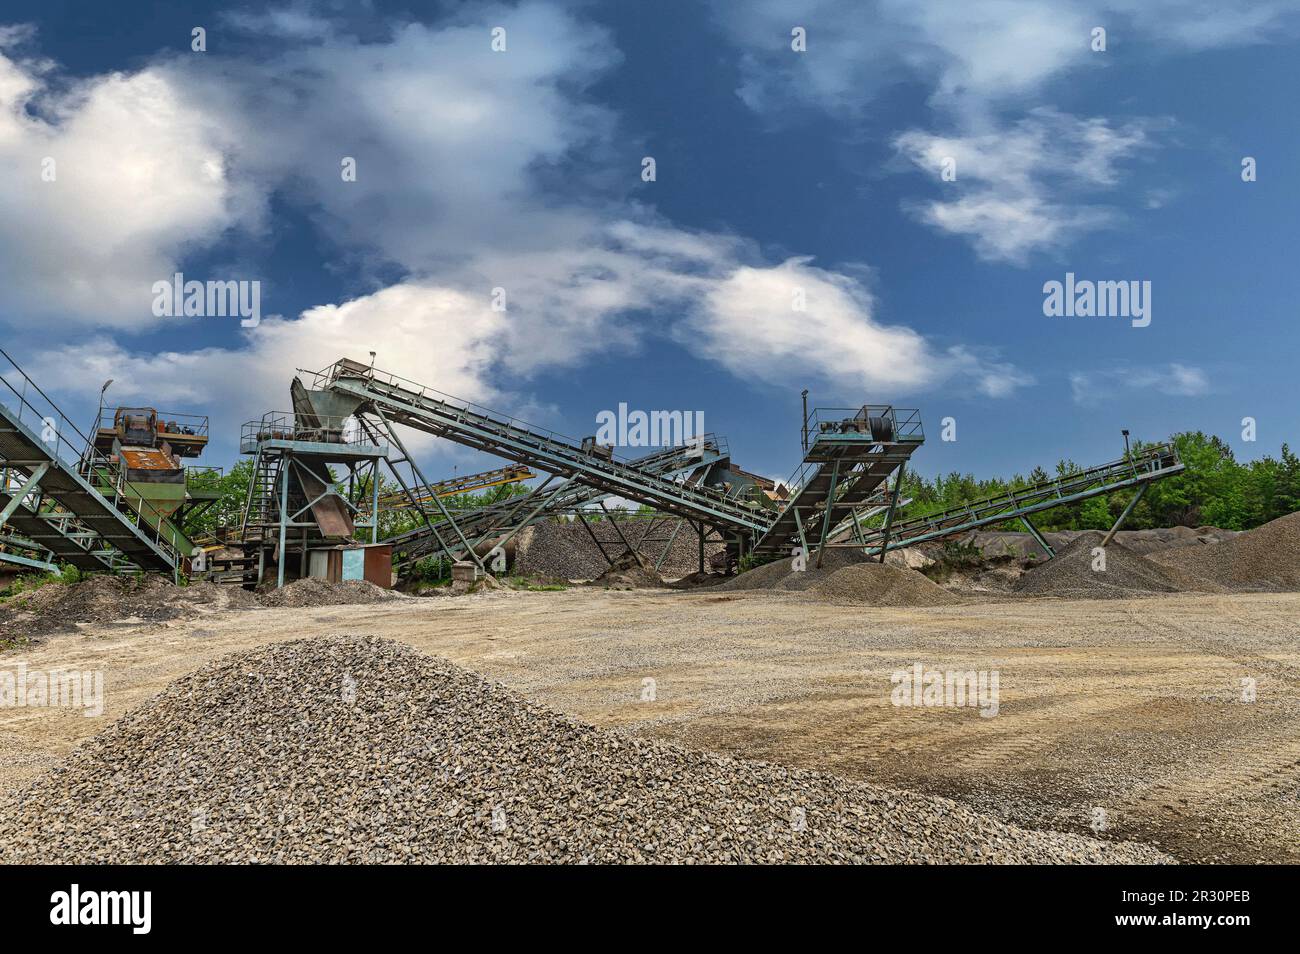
(429, 570)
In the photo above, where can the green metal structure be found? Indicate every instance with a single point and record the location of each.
(64, 501)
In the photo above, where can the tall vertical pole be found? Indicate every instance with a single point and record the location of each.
(374, 504)
(284, 516)
(826, 516)
(804, 430)
(893, 504)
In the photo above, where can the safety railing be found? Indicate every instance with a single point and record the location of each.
(307, 428)
(855, 424)
(1142, 465)
(882, 423)
(33, 407)
(64, 441)
(506, 422)
(173, 422)
(453, 413)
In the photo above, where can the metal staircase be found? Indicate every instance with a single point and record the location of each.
(61, 500)
(852, 454)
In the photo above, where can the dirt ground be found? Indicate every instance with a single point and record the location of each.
(1130, 707)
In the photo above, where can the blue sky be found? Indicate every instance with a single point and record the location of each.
(778, 172)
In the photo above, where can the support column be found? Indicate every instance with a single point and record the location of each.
(826, 513)
(18, 494)
(889, 516)
(422, 481)
(1042, 541)
(284, 516)
(374, 502)
(594, 540)
(533, 513)
(669, 545)
(617, 529)
(1105, 541)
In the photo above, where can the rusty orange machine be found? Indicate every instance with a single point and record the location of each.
(151, 449)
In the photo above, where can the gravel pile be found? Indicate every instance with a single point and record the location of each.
(564, 550)
(59, 607)
(1071, 575)
(316, 592)
(781, 575)
(1144, 542)
(364, 750)
(1266, 558)
(876, 584)
(629, 572)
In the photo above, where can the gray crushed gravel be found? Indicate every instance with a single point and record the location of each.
(564, 549)
(359, 749)
(1073, 574)
(1266, 558)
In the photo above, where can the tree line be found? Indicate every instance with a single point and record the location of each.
(1214, 490)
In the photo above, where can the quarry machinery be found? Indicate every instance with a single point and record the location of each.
(63, 499)
(150, 450)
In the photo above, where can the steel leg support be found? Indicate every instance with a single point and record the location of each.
(1110, 535)
(1042, 541)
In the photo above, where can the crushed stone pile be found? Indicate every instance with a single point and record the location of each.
(698, 580)
(1071, 575)
(564, 550)
(357, 749)
(1264, 559)
(1143, 542)
(629, 572)
(101, 599)
(316, 592)
(875, 584)
(781, 574)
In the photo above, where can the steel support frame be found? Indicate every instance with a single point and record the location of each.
(1013, 513)
(889, 515)
(681, 522)
(373, 434)
(826, 514)
(536, 454)
(20, 493)
(1042, 540)
(617, 528)
(590, 533)
(1110, 534)
(516, 528)
(14, 558)
(442, 508)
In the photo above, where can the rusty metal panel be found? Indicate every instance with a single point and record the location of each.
(379, 566)
(146, 459)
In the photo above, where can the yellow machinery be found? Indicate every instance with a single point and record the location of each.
(513, 474)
